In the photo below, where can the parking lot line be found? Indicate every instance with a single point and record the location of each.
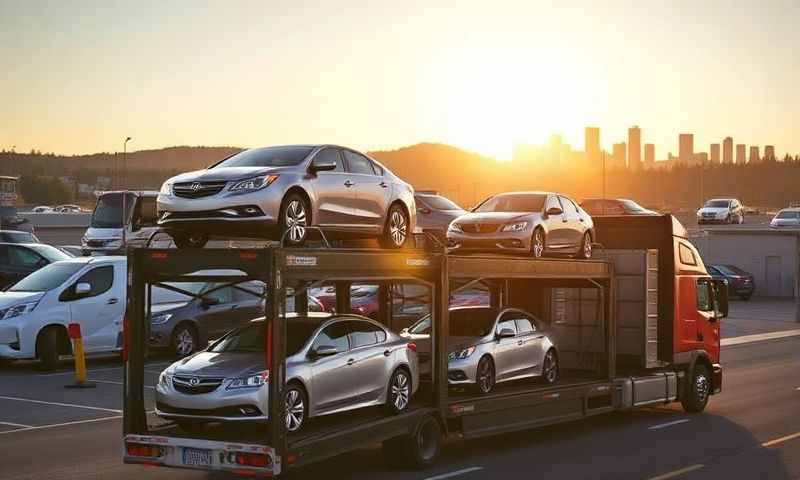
(668, 424)
(456, 473)
(65, 424)
(58, 404)
(679, 472)
(781, 440)
(726, 342)
(116, 383)
(73, 373)
(18, 425)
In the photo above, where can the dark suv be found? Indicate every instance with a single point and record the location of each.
(740, 283)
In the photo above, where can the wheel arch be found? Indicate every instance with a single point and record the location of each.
(306, 196)
(64, 344)
(402, 205)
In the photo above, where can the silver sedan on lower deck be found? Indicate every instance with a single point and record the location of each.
(334, 364)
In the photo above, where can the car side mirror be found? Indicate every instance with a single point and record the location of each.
(323, 165)
(506, 333)
(82, 288)
(209, 302)
(554, 211)
(324, 351)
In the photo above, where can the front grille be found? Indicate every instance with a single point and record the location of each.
(478, 227)
(709, 215)
(197, 189)
(195, 385)
(234, 411)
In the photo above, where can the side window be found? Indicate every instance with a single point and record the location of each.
(524, 325)
(704, 302)
(100, 278)
(363, 334)
(569, 207)
(358, 163)
(223, 295)
(331, 154)
(614, 208)
(552, 202)
(507, 323)
(377, 168)
(334, 335)
(22, 257)
(240, 295)
(686, 255)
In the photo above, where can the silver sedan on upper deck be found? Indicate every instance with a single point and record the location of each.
(277, 192)
(333, 364)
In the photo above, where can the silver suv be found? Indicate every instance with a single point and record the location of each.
(277, 192)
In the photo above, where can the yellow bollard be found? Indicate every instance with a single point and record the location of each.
(81, 381)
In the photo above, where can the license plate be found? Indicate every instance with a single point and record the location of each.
(196, 456)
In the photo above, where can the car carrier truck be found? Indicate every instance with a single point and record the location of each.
(636, 326)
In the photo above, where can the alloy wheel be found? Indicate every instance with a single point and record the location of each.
(538, 243)
(296, 221)
(400, 391)
(294, 410)
(184, 342)
(587, 246)
(398, 228)
(485, 375)
(550, 367)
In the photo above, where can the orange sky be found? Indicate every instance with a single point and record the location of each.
(79, 77)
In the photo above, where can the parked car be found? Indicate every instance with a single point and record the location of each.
(68, 209)
(363, 299)
(614, 206)
(17, 236)
(71, 250)
(740, 283)
(334, 364)
(435, 212)
(35, 311)
(42, 209)
(18, 260)
(788, 217)
(721, 210)
(532, 223)
(488, 345)
(184, 324)
(110, 230)
(278, 192)
(10, 220)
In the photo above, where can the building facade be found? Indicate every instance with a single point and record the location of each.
(727, 150)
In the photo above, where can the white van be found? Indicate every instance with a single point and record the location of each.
(35, 312)
(110, 229)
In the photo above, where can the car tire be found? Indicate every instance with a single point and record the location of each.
(417, 450)
(294, 220)
(398, 393)
(485, 375)
(47, 349)
(396, 230)
(295, 407)
(550, 367)
(585, 252)
(185, 241)
(184, 341)
(538, 242)
(697, 391)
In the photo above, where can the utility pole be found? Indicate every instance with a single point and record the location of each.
(124, 193)
(604, 184)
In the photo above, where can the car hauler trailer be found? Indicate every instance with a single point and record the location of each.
(637, 326)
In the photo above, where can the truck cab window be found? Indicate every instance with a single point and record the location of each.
(704, 298)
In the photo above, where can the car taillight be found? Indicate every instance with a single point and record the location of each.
(412, 346)
(143, 450)
(259, 460)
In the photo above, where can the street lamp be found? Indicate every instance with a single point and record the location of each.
(125, 159)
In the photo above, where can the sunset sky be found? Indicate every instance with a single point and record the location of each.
(78, 77)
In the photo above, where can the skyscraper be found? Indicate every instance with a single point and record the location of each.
(649, 154)
(619, 155)
(715, 153)
(727, 150)
(741, 154)
(686, 148)
(769, 153)
(634, 148)
(754, 154)
(591, 144)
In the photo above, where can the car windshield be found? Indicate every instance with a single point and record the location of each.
(471, 322)
(513, 202)
(632, 206)
(267, 157)
(251, 338)
(47, 278)
(422, 327)
(17, 237)
(50, 253)
(717, 203)
(439, 203)
(108, 211)
(787, 214)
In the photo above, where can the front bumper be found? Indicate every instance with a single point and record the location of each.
(512, 242)
(702, 220)
(11, 345)
(220, 405)
(462, 372)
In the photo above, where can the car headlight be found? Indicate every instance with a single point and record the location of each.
(461, 354)
(253, 381)
(116, 243)
(160, 318)
(454, 227)
(254, 183)
(84, 242)
(164, 378)
(166, 189)
(515, 227)
(17, 310)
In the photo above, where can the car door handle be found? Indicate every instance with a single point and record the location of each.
(520, 342)
(580, 219)
(386, 353)
(112, 301)
(350, 362)
(384, 185)
(348, 184)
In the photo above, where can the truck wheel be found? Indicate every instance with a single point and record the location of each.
(484, 377)
(190, 240)
(398, 397)
(417, 450)
(184, 340)
(395, 234)
(550, 372)
(698, 389)
(47, 349)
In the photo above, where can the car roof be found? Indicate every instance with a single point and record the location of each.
(95, 260)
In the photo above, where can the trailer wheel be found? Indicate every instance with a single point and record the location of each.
(417, 450)
(698, 389)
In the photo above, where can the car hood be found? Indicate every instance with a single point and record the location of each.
(226, 364)
(95, 233)
(226, 174)
(493, 217)
(715, 210)
(9, 299)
